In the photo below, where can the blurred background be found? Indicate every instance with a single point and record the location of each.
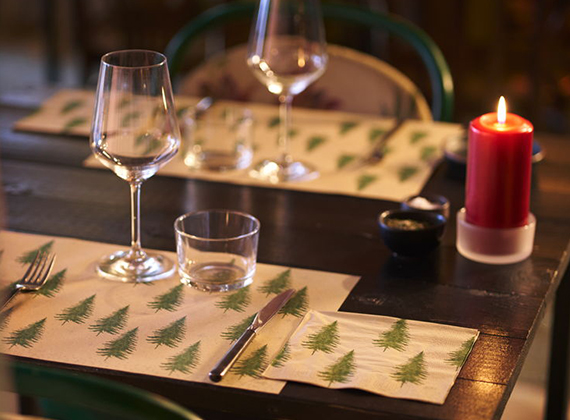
(514, 48)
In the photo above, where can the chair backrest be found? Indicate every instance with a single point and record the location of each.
(63, 394)
(353, 82)
(429, 52)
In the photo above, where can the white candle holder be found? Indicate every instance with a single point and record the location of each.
(494, 245)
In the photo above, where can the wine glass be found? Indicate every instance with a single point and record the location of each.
(134, 133)
(286, 52)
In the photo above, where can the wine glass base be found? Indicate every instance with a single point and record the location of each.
(276, 172)
(121, 266)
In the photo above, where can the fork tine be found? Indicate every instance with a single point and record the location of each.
(47, 272)
(43, 270)
(33, 267)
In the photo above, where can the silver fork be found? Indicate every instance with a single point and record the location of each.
(35, 277)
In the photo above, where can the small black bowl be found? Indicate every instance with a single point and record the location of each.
(411, 233)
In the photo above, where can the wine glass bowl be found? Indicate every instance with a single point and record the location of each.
(286, 52)
(134, 133)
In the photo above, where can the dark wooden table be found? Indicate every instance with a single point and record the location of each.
(48, 192)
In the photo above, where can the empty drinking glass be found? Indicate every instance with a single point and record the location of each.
(217, 249)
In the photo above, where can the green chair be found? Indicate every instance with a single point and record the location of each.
(61, 394)
(432, 57)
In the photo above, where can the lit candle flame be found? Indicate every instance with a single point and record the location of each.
(502, 111)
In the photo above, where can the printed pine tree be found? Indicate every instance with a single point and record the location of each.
(414, 371)
(169, 301)
(346, 126)
(253, 365)
(53, 285)
(78, 313)
(364, 181)
(340, 371)
(235, 331)
(406, 172)
(185, 361)
(458, 357)
(121, 347)
(5, 317)
(344, 160)
(113, 323)
(237, 301)
(171, 335)
(325, 340)
(27, 336)
(396, 338)
(28, 257)
(283, 355)
(277, 285)
(314, 142)
(297, 305)
(417, 136)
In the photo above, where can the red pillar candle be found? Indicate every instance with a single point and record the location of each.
(498, 170)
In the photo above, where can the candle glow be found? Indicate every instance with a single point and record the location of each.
(502, 111)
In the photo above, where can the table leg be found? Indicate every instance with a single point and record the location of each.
(556, 402)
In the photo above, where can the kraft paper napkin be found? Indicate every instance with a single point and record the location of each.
(162, 328)
(384, 355)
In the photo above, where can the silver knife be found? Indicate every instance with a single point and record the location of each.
(376, 153)
(262, 317)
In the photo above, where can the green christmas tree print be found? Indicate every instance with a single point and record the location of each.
(27, 336)
(169, 336)
(397, 337)
(414, 371)
(427, 153)
(297, 305)
(346, 126)
(375, 133)
(180, 111)
(458, 357)
(184, 362)
(344, 160)
(406, 172)
(364, 181)
(253, 365)
(75, 122)
(127, 118)
(235, 331)
(273, 122)
(53, 285)
(113, 323)
(121, 347)
(28, 257)
(340, 371)
(325, 340)
(278, 284)
(283, 355)
(78, 313)
(5, 317)
(416, 136)
(70, 106)
(237, 301)
(169, 301)
(315, 142)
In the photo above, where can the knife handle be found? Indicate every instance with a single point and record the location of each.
(231, 356)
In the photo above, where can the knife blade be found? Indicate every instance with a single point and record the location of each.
(376, 153)
(261, 318)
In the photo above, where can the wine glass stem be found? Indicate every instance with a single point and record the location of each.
(136, 251)
(285, 102)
